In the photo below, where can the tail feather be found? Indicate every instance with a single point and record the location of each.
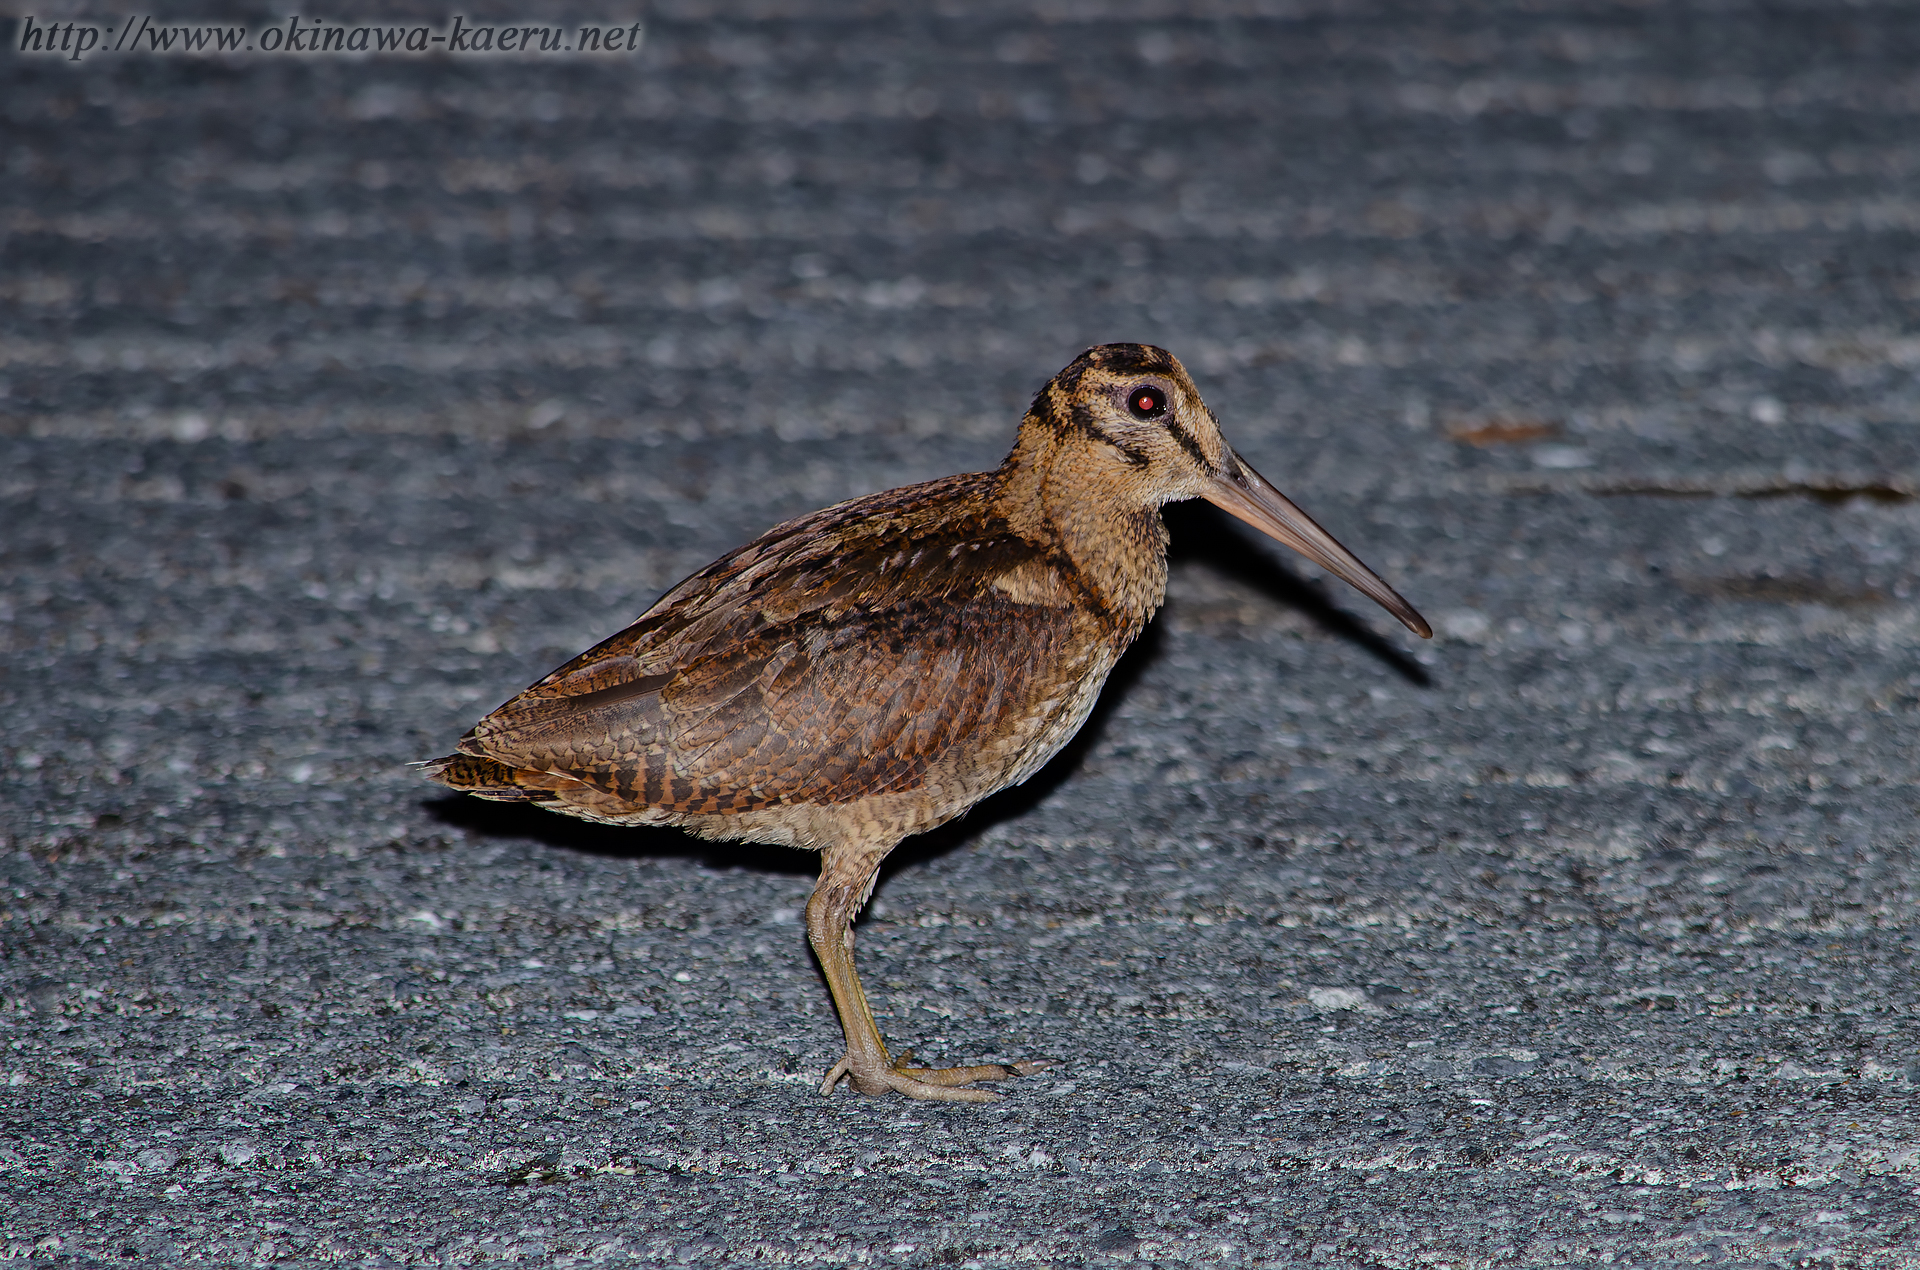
(556, 791)
(490, 778)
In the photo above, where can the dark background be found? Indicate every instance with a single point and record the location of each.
(340, 399)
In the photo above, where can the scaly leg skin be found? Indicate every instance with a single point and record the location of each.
(868, 1067)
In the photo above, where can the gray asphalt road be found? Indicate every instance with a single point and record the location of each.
(340, 399)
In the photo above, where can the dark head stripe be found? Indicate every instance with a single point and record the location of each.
(1133, 359)
(1083, 421)
(1064, 418)
(1187, 443)
(1121, 359)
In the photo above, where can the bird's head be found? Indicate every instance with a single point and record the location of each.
(1126, 419)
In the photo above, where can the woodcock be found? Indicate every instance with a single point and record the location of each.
(876, 668)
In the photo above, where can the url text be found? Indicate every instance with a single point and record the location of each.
(143, 36)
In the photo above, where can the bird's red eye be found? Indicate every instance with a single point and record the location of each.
(1147, 402)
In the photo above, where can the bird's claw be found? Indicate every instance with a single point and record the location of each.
(932, 1084)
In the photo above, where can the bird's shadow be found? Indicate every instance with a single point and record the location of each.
(485, 819)
(1200, 534)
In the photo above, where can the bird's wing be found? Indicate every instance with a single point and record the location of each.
(838, 656)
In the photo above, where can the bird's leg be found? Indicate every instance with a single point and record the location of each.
(844, 886)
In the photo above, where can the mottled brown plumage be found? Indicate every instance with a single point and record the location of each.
(872, 670)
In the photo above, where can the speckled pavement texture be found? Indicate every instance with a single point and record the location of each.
(341, 399)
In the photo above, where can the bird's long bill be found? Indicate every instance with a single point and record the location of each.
(1247, 494)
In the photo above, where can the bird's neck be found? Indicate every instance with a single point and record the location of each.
(1116, 545)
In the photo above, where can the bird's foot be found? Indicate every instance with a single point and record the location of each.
(933, 1084)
